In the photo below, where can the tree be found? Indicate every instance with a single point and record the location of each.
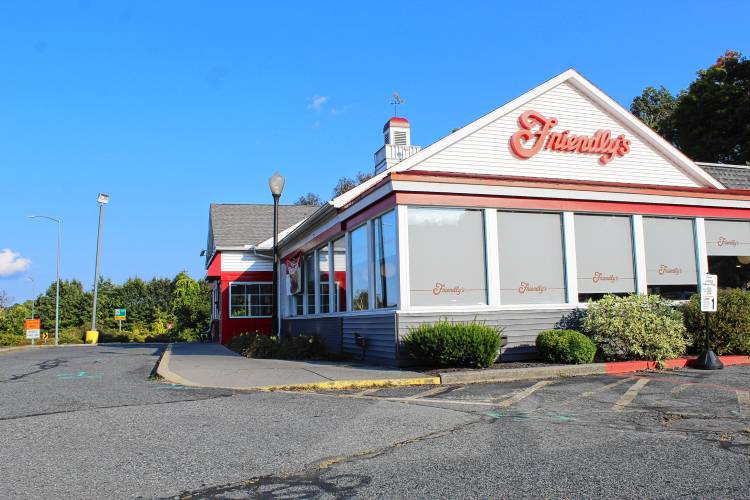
(5, 300)
(309, 199)
(191, 305)
(712, 119)
(75, 306)
(347, 183)
(655, 108)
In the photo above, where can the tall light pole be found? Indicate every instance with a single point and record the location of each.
(57, 293)
(276, 183)
(33, 295)
(103, 199)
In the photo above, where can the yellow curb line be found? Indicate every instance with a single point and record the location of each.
(354, 384)
(164, 371)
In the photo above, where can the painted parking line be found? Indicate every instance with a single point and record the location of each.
(743, 399)
(588, 394)
(630, 394)
(523, 394)
(431, 392)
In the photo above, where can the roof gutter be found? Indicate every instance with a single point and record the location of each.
(311, 221)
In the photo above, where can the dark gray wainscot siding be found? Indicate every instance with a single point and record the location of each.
(338, 333)
(519, 327)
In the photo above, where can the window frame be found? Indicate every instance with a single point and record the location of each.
(231, 284)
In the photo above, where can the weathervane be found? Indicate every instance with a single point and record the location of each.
(396, 101)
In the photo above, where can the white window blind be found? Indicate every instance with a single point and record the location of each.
(670, 251)
(604, 254)
(724, 237)
(531, 258)
(446, 257)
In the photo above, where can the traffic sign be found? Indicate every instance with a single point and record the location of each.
(709, 297)
(33, 328)
(121, 314)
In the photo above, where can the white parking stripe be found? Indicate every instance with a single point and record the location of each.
(630, 394)
(524, 394)
(743, 398)
(431, 392)
(606, 387)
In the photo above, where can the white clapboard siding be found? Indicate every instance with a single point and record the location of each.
(241, 262)
(487, 151)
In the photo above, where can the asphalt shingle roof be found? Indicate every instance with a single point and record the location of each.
(731, 176)
(236, 225)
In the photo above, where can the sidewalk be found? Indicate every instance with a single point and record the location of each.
(213, 365)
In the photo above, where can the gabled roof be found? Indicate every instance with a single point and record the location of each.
(731, 176)
(232, 226)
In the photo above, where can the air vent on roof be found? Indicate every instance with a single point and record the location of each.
(399, 138)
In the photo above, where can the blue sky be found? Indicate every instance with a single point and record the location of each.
(169, 106)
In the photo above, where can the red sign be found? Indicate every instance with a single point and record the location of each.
(535, 134)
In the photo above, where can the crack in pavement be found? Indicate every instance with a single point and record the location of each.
(43, 366)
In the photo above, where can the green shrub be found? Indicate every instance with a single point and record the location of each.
(10, 340)
(454, 344)
(257, 345)
(636, 327)
(70, 335)
(729, 325)
(565, 346)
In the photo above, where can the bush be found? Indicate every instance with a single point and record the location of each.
(729, 325)
(256, 345)
(9, 339)
(454, 344)
(636, 327)
(565, 346)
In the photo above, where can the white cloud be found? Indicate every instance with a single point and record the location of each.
(317, 102)
(12, 263)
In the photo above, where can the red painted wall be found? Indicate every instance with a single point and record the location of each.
(231, 327)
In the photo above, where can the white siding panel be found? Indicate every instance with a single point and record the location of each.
(241, 262)
(487, 151)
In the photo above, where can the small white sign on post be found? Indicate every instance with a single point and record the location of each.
(709, 288)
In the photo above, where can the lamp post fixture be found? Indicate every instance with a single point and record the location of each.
(103, 199)
(276, 183)
(57, 292)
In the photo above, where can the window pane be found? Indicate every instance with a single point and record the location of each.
(446, 257)
(339, 274)
(731, 238)
(670, 251)
(323, 274)
(531, 267)
(360, 273)
(310, 282)
(604, 254)
(386, 260)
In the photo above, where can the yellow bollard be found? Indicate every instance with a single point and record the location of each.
(92, 336)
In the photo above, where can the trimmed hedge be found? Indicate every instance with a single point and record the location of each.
(444, 344)
(565, 346)
(636, 327)
(256, 345)
(729, 325)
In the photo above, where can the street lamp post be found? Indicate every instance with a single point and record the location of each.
(33, 295)
(103, 199)
(57, 292)
(276, 183)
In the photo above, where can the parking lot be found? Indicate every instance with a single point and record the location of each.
(89, 422)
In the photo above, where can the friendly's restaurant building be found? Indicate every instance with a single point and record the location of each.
(515, 220)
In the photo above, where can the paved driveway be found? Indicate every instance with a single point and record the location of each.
(86, 422)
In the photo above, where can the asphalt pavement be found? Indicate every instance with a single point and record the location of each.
(87, 422)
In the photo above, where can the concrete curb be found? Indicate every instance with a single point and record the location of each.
(165, 372)
(561, 371)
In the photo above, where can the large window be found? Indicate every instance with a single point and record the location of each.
(446, 257)
(728, 248)
(309, 269)
(386, 260)
(604, 255)
(670, 257)
(323, 283)
(360, 268)
(530, 247)
(339, 275)
(250, 300)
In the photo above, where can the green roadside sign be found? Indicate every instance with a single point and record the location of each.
(121, 314)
